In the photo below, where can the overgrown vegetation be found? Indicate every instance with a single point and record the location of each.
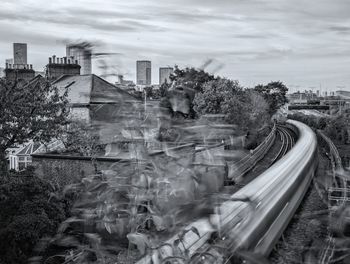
(30, 211)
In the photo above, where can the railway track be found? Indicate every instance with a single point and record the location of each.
(287, 140)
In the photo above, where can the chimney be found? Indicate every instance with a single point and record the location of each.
(65, 60)
(61, 60)
(68, 61)
(53, 58)
(10, 65)
(50, 60)
(76, 61)
(31, 66)
(7, 65)
(120, 79)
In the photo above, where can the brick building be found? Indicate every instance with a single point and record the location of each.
(58, 67)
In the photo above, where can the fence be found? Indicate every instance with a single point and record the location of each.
(238, 169)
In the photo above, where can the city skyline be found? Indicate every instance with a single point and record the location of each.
(303, 44)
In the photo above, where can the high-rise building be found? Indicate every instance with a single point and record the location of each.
(20, 53)
(164, 74)
(82, 54)
(143, 72)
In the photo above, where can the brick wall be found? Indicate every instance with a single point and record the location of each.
(63, 170)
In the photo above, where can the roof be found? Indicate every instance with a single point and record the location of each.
(86, 89)
(29, 149)
(37, 147)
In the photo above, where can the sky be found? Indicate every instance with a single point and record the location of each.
(305, 44)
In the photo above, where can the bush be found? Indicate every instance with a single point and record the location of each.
(30, 210)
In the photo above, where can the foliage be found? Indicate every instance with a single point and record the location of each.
(185, 83)
(274, 94)
(152, 93)
(81, 138)
(163, 89)
(29, 212)
(312, 121)
(338, 129)
(191, 78)
(34, 110)
(245, 108)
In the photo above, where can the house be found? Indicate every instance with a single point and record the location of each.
(20, 158)
(89, 94)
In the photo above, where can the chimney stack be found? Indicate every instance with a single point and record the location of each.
(61, 60)
(76, 61)
(53, 58)
(50, 60)
(31, 66)
(7, 65)
(65, 60)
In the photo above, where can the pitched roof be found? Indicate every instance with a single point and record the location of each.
(29, 148)
(86, 89)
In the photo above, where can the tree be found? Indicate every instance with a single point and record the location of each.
(81, 138)
(152, 93)
(191, 78)
(34, 110)
(30, 210)
(274, 93)
(245, 108)
(185, 83)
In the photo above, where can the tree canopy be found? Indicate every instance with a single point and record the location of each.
(191, 78)
(34, 110)
(245, 108)
(274, 94)
(30, 210)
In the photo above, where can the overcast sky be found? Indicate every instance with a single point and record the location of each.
(303, 43)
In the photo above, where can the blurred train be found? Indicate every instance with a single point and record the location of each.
(255, 217)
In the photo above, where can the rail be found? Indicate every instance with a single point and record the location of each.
(339, 193)
(241, 167)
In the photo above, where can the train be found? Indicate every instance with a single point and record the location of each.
(254, 217)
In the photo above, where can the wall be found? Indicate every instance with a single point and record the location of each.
(80, 113)
(65, 169)
(24, 74)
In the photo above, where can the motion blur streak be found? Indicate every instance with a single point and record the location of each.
(257, 221)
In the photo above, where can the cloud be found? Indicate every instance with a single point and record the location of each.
(340, 29)
(255, 39)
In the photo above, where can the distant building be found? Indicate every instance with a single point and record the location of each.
(122, 81)
(143, 72)
(61, 66)
(301, 97)
(343, 94)
(82, 54)
(20, 53)
(164, 74)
